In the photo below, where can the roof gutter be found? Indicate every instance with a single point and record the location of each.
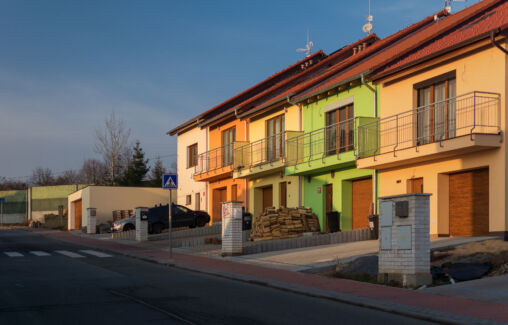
(493, 40)
(257, 109)
(335, 85)
(182, 126)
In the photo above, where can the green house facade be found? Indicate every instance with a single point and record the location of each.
(325, 155)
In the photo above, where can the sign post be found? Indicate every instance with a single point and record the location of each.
(170, 182)
(2, 200)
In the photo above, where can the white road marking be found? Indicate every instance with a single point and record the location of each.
(70, 254)
(13, 254)
(95, 253)
(40, 253)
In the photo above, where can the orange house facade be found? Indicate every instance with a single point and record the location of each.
(216, 165)
(442, 127)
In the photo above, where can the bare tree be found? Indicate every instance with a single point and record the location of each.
(111, 144)
(10, 184)
(69, 177)
(93, 171)
(42, 176)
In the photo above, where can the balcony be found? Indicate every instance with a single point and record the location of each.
(458, 125)
(215, 164)
(262, 156)
(324, 149)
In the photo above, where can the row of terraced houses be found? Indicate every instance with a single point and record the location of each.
(422, 110)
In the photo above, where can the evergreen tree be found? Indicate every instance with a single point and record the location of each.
(137, 168)
(156, 174)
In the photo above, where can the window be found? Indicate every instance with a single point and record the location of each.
(436, 112)
(228, 138)
(275, 138)
(192, 155)
(340, 130)
(188, 200)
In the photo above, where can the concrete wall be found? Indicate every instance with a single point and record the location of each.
(106, 199)
(479, 70)
(187, 185)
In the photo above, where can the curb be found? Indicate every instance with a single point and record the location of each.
(403, 310)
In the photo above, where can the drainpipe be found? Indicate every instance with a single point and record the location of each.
(493, 41)
(245, 179)
(374, 176)
(299, 129)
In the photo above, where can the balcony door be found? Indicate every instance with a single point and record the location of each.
(275, 138)
(228, 138)
(436, 113)
(340, 130)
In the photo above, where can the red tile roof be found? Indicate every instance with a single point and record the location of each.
(313, 71)
(421, 37)
(354, 60)
(481, 24)
(277, 77)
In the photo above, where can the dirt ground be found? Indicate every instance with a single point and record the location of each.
(494, 251)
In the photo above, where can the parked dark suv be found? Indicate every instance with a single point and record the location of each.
(158, 219)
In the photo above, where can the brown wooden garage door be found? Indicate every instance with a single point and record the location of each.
(362, 201)
(469, 203)
(77, 214)
(219, 196)
(267, 197)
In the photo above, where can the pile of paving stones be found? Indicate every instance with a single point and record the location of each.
(284, 223)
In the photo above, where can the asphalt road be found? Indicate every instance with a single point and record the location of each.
(44, 281)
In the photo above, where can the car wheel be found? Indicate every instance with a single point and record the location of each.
(201, 222)
(128, 227)
(157, 228)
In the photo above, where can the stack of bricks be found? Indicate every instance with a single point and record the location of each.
(122, 214)
(284, 223)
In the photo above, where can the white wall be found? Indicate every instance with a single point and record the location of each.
(186, 183)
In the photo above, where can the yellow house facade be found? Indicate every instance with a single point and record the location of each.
(442, 129)
(261, 160)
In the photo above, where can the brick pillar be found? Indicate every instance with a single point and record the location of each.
(141, 224)
(404, 240)
(232, 243)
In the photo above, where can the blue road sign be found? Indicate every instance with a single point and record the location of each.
(2, 199)
(170, 181)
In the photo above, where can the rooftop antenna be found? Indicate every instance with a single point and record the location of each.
(448, 4)
(367, 28)
(308, 46)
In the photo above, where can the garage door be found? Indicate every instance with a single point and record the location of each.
(469, 203)
(77, 214)
(362, 201)
(267, 198)
(219, 196)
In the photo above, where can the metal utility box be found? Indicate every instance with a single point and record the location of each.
(402, 209)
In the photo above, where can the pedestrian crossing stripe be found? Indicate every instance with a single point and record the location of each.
(70, 254)
(40, 253)
(13, 254)
(95, 253)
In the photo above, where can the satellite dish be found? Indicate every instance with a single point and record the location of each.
(367, 28)
(448, 4)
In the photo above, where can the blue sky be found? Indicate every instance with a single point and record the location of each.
(66, 64)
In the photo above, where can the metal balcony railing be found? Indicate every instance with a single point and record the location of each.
(467, 114)
(267, 150)
(214, 159)
(331, 140)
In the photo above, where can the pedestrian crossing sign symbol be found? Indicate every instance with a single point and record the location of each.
(170, 181)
